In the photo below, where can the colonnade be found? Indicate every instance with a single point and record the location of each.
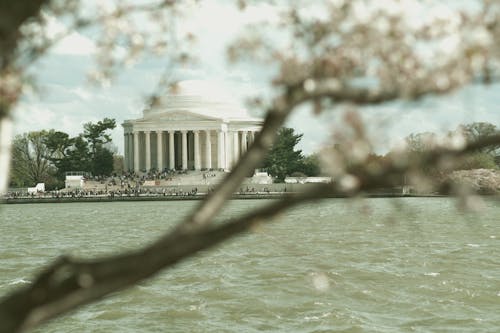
(147, 150)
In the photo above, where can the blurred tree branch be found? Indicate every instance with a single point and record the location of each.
(69, 282)
(13, 14)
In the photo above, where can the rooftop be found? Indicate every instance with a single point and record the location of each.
(201, 97)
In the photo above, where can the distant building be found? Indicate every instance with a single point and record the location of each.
(304, 180)
(262, 178)
(195, 128)
(75, 179)
(39, 188)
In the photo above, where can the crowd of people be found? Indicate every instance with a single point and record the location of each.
(85, 193)
(131, 184)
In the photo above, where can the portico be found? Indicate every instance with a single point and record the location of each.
(190, 132)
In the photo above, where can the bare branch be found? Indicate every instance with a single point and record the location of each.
(12, 15)
(248, 162)
(338, 92)
(68, 283)
(275, 118)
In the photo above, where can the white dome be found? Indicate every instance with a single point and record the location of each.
(202, 97)
(208, 89)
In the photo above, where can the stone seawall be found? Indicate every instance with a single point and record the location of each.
(185, 197)
(132, 198)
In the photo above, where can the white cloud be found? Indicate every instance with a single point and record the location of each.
(31, 117)
(73, 43)
(69, 103)
(82, 93)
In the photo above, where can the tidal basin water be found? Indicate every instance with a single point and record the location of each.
(373, 265)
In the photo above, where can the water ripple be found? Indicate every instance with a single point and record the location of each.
(336, 265)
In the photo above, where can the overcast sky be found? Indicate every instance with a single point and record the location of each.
(66, 100)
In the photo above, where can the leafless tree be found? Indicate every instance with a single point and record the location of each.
(29, 157)
(329, 54)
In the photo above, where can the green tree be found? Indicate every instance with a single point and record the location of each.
(90, 151)
(78, 156)
(60, 146)
(478, 160)
(320, 59)
(420, 142)
(283, 159)
(311, 166)
(96, 134)
(478, 130)
(57, 142)
(30, 164)
(102, 163)
(66, 153)
(118, 163)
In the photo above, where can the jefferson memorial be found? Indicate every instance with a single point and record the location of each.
(196, 127)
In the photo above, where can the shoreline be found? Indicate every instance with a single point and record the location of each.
(191, 197)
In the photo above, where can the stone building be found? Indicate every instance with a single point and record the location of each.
(196, 128)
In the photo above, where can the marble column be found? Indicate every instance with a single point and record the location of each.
(252, 137)
(227, 144)
(126, 153)
(148, 150)
(208, 150)
(197, 155)
(136, 152)
(184, 150)
(244, 142)
(159, 150)
(236, 147)
(130, 152)
(221, 164)
(171, 150)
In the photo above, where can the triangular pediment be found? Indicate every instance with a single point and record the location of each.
(180, 116)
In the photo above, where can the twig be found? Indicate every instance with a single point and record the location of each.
(69, 283)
